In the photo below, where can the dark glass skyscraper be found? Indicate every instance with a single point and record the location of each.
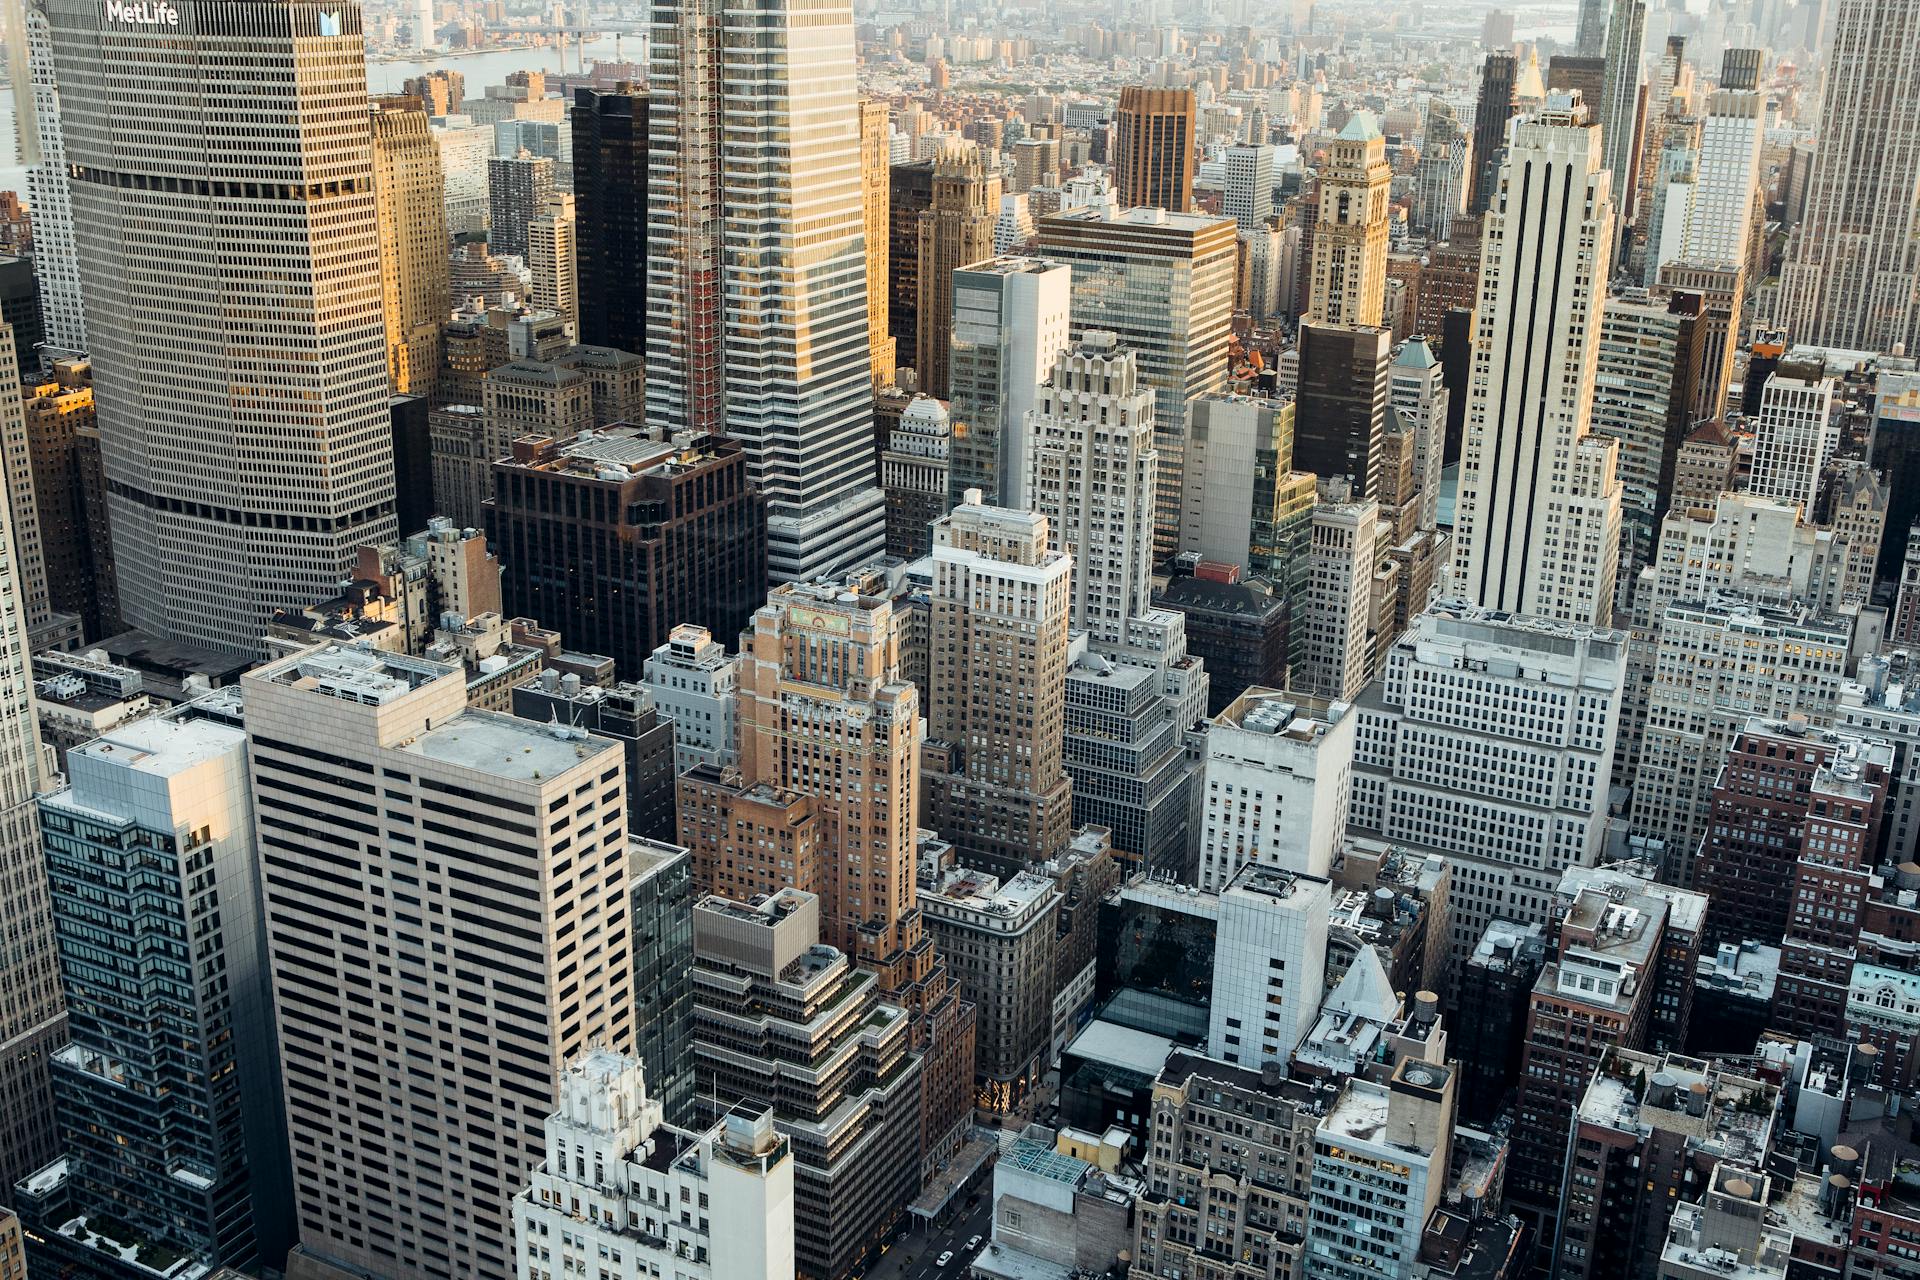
(1490, 118)
(167, 1094)
(610, 203)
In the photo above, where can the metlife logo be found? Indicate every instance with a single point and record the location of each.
(143, 13)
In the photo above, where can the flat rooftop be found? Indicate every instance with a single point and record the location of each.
(161, 745)
(507, 747)
(355, 674)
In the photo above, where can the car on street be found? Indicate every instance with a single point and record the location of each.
(974, 1243)
(944, 1259)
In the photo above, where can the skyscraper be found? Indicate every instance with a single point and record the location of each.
(213, 431)
(165, 1082)
(411, 191)
(875, 189)
(56, 262)
(1852, 276)
(1590, 36)
(1537, 527)
(1350, 235)
(998, 641)
(492, 919)
(610, 200)
(1727, 175)
(1490, 116)
(783, 366)
(32, 1016)
(1619, 108)
(553, 257)
(1796, 435)
(1249, 195)
(1092, 457)
(957, 231)
(1163, 282)
(517, 189)
(1340, 407)
(1154, 141)
(1011, 317)
(1443, 180)
(820, 673)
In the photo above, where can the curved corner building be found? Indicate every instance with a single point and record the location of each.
(223, 208)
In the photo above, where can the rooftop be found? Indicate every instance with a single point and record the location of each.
(1361, 1112)
(1115, 1045)
(1276, 714)
(508, 747)
(162, 745)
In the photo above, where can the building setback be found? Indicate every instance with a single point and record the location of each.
(615, 537)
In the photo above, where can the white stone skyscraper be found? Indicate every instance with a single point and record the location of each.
(32, 1016)
(757, 294)
(1852, 276)
(226, 229)
(1248, 198)
(1092, 465)
(56, 262)
(1725, 177)
(1537, 529)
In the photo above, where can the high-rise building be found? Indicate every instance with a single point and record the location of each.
(1852, 274)
(1011, 318)
(1240, 628)
(211, 433)
(1164, 283)
(614, 537)
(1443, 177)
(1588, 75)
(1341, 403)
(746, 334)
(1785, 792)
(997, 647)
(517, 190)
(16, 474)
(909, 193)
(1645, 386)
(1619, 976)
(914, 475)
(553, 257)
(1590, 32)
(1796, 435)
(820, 665)
(1512, 807)
(63, 441)
(480, 818)
(1493, 109)
(875, 188)
(1013, 229)
(1417, 393)
(694, 682)
(1349, 268)
(1154, 142)
(1248, 198)
(736, 1180)
(610, 194)
(1338, 651)
(1001, 935)
(1537, 525)
(1278, 772)
(33, 1021)
(1618, 112)
(1380, 1161)
(955, 231)
(168, 1101)
(56, 262)
(1239, 455)
(1092, 461)
(411, 192)
(770, 990)
(464, 152)
(660, 885)
(1732, 132)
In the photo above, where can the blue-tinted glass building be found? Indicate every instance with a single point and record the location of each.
(167, 1095)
